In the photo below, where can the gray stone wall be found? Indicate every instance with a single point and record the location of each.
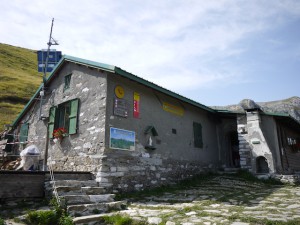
(81, 151)
(175, 156)
(269, 129)
(135, 171)
(21, 184)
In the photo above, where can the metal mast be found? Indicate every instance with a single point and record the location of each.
(50, 42)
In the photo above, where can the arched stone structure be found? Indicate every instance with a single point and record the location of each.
(262, 165)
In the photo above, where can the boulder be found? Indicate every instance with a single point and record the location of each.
(249, 104)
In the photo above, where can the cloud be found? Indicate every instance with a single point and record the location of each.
(180, 44)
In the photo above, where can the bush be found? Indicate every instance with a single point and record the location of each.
(56, 216)
(66, 220)
(2, 222)
(43, 217)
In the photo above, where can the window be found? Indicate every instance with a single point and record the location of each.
(294, 143)
(64, 115)
(198, 142)
(67, 82)
(23, 132)
(174, 131)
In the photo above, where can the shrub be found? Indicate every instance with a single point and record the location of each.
(2, 222)
(57, 216)
(43, 217)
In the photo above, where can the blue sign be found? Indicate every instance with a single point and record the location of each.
(53, 59)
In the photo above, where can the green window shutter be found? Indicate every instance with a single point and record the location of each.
(73, 116)
(52, 114)
(24, 132)
(198, 141)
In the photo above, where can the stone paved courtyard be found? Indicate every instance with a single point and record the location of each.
(221, 200)
(217, 200)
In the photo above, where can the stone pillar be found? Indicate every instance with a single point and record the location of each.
(257, 142)
(244, 147)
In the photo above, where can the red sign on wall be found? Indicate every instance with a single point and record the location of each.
(136, 105)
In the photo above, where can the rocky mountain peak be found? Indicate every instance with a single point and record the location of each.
(289, 106)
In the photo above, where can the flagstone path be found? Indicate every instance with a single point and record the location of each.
(221, 200)
(227, 200)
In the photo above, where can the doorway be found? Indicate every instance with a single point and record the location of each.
(234, 149)
(262, 165)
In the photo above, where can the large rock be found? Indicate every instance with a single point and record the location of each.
(248, 104)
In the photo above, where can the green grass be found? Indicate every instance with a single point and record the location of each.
(118, 219)
(19, 81)
(256, 221)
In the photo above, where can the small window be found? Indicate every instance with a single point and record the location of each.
(198, 142)
(67, 82)
(24, 132)
(174, 131)
(64, 116)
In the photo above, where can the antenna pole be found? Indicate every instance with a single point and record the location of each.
(42, 92)
(48, 50)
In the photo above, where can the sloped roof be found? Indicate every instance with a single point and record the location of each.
(111, 69)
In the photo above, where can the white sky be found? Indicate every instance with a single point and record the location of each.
(216, 52)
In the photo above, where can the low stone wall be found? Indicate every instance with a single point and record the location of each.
(286, 179)
(21, 184)
(133, 173)
(27, 184)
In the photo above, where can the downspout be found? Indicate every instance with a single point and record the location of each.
(46, 150)
(219, 144)
(280, 146)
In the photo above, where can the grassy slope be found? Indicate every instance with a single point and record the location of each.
(19, 80)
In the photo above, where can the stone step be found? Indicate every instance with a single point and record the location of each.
(96, 208)
(74, 183)
(89, 220)
(231, 169)
(93, 190)
(67, 190)
(76, 190)
(70, 176)
(82, 199)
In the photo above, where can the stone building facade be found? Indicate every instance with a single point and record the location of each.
(268, 143)
(132, 134)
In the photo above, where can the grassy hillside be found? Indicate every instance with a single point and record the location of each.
(19, 80)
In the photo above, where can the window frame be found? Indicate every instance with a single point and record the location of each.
(67, 82)
(58, 119)
(23, 134)
(198, 135)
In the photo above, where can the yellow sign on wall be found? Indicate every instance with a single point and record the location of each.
(173, 109)
(119, 91)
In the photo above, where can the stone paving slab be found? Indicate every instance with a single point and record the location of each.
(222, 200)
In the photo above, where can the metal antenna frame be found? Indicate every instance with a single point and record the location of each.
(51, 41)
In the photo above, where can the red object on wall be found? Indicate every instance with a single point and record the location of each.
(136, 105)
